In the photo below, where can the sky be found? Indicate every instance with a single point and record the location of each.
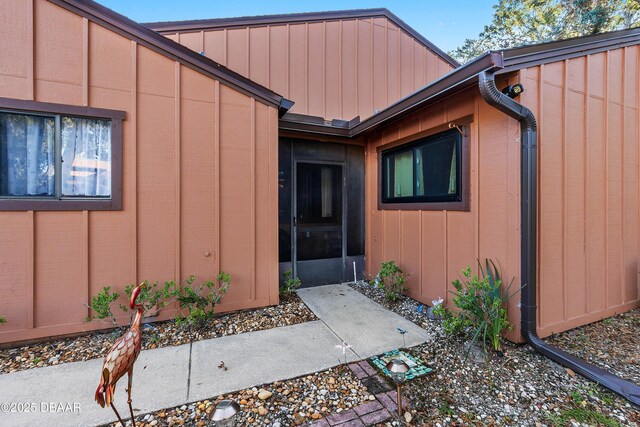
(446, 23)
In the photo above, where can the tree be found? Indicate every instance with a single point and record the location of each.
(520, 22)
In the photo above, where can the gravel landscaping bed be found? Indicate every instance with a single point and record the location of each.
(290, 311)
(283, 403)
(612, 344)
(522, 388)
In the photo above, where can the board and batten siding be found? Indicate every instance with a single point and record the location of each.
(336, 69)
(199, 178)
(588, 224)
(434, 246)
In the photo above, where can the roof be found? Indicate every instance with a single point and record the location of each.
(292, 18)
(451, 83)
(541, 53)
(465, 76)
(175, 51)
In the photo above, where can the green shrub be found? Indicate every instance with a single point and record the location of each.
(153, 297)
(289, 284)
(392, 280)
(482, 304)
(200, 301)
(101, 305)
(2, 319)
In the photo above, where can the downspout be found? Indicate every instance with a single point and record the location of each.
(529, 176)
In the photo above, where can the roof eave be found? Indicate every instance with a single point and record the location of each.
(449, 84)
(453, 82)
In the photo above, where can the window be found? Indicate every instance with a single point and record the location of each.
(425, 172)
(56, 157)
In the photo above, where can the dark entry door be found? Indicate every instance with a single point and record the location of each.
(318, 242)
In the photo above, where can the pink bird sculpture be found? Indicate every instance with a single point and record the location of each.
(120, 359)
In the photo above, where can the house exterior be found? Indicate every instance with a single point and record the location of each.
(323, 143)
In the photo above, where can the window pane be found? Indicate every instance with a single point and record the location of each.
(436, 164)
(400, 175)
(86, 157)
(27, 155)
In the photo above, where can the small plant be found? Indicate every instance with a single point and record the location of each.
(392, 280)
(2, 319)
(577, 396)
(482, 302)
(153, 297)
(101, 306)
(200, 301)
(289, 284)
(445, 410)
(582, 415)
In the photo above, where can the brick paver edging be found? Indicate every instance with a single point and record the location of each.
(372, 413)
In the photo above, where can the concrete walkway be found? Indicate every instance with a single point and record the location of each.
(63, 395)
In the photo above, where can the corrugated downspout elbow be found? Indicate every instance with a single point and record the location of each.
(529, 178)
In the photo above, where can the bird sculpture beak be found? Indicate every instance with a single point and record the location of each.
(134, 295)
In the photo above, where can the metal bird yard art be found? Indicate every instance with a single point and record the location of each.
(120, 359)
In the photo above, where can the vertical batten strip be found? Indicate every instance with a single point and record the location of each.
(540, 287)
(564, 189)
(31, 269)
(248, 56)
(386, 63)
(85, 214)
(445, 248)
(398, 93)
(475, 168)
(638, 163)
(637, 76)
(253, 199)
(622, 180)
(605, 121)
(226, 47)
(216, 166)
(355, 83)
(269, 55)
(273, 202)
(85, 261)
(31, 53)
(324, 69)
(306, 66)
(287, 70)
(371, 86)
(85, 62)
(340, 65)
(177, 226)
(585, 130)
(133, 125)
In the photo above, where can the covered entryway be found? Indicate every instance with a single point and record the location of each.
(321, 210)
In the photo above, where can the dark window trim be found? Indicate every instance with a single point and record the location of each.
(465, 164)
(114, 203)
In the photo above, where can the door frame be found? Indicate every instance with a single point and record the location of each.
(294, 209)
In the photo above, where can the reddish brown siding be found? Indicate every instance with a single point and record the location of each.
(332, 69)
(587, 108)
(200, 177)
(434, 246)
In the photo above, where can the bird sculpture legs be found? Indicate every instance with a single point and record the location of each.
(117, 414)
(130, 375)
